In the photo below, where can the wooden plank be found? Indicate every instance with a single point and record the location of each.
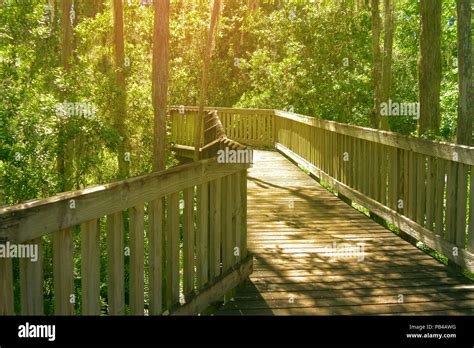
(420, 189)
(406, 182)
(188, 242)
(33, 219)
(243, 233)
(439, 197)
(451, 201)
(215, 228)
(393, 178)
(31, 281)
(461, 206)
(115, 264)
(156, 242)
(172, 250)
(225, 228)
(241, 122)
(430, 193)
(275, 130)
(63, 272)
(385, 151)
(6, 287)
(217, 288)
(412, 182)
(228, 241)
(237, 218)
(202, 235)
(365, 168)
(137, 260)
(90, 267)
(375, 176)
(470, 242)
(220, 109)
(358, 165)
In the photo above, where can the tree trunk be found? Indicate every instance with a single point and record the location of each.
(160, 81)
(120, 107)
(66, 146)
(377, 64)
(465, 112)
(387, 57)
(430, 67)
(205, 68)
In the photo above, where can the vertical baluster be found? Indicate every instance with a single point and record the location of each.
(31, 279)
(90, 267)
(202, 235)
(6, 287)
(172, 250)
(461, 208)
(115, 264)
(188, 252)
(215, 228)
(430, 192)
(156, 264)
(439, 205)
(137, 260)
(63, 272)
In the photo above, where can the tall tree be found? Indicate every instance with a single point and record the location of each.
(66, 147)
(386, 79)
(160, 80)
(429, 79)
(120, 106)
(377, 64)
(465, 111)
(205, 71)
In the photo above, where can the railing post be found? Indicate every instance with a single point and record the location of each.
(6, 287)
(243, 233)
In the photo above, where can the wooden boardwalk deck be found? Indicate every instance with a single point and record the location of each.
(292, 219)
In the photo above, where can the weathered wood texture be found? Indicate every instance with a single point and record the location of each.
(315, 255)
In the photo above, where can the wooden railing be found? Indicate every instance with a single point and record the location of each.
(181, 232)
(424, 188)
(246, 126)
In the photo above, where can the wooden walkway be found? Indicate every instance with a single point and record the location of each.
(294, 225)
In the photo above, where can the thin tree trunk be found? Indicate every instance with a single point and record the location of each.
(160, 81)
(465, 111)
(120, 111)
(430, 67)
(377, 64)
(206, 60)
(66, 147)
(387, 57)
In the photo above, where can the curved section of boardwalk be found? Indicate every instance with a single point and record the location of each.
(315, 255)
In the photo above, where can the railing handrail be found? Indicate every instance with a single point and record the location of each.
(442, 149)
(33, 219)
